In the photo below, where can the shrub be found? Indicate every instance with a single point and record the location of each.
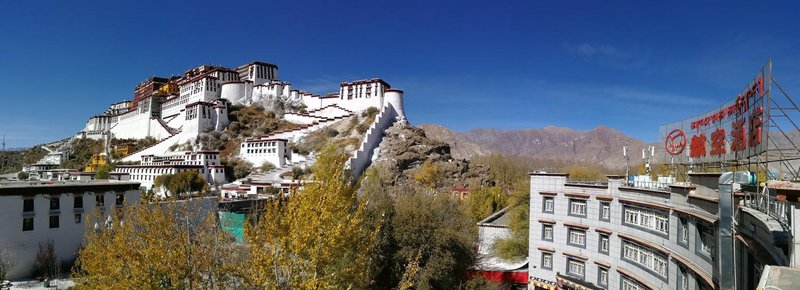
(46, 265)
(23, 176)
(362, 128)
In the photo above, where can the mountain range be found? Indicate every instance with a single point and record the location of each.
(601, 145)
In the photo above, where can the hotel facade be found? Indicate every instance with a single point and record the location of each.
(618, 234)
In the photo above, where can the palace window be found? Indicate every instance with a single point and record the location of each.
(55, 203)
(54, 221)
(577, 237)
(645, 257)
(575, 267)
(547, 232)
(605, 211)
(549, 203)
(648, 219)
(77, 202)
(577, 207)
(99, 200)
(547, 260)
(628, 284)
(78, 218)
(27, 224)
(27, 205)
(120, 199)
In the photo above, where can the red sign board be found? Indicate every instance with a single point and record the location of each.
(731, 132)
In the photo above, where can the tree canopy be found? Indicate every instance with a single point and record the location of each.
(181, 183)
(316, 238)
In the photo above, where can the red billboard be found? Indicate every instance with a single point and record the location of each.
(736, 130)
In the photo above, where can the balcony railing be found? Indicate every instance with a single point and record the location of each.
(769, 205)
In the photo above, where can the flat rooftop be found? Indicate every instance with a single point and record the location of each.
(777, 277)
(32, 187)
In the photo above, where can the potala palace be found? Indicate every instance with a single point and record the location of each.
(176, 110)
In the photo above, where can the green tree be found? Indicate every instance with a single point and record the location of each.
(317, 238)
(484, 201)
(182, 183)
(515, 246)
(437, 230)
(104, 171)
(23, 175)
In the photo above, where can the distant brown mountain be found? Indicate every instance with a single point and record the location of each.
(601, 145)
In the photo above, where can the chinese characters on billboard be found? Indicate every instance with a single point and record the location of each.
(736, 130)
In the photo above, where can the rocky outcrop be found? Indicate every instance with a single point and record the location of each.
(404, 148)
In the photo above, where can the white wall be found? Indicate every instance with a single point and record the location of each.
(23, 245)
(363, 156)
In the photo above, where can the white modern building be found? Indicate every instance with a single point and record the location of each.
(34, 213)
(205, 163)
(618, 234)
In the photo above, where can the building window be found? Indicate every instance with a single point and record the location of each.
(604, 243)
(605, 211)
(53, 221)
(27, 205)
(645, 257)
(683, 234)
(628, 284)
(577, 238)
(602, 276)
(120, 199)
(577, 207)
(575, 267)
(55, 203)
(683, 279)
(549, 205)
(78, 218)
(547, 233)
(649, 219)
(547, 261)
(99, 200)
(27, 224)
(78, 201)
(707, 241)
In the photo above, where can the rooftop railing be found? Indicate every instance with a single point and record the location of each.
(588, 182)
(769, 205)
(647, 184)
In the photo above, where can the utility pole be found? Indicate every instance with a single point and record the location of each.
(627, 162)
(4, 142)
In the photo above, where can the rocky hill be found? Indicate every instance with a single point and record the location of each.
(404, 149)
(601, 145)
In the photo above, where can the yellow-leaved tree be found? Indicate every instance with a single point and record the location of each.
(157, 246)
(317, 238)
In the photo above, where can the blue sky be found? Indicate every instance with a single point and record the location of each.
(463, 64)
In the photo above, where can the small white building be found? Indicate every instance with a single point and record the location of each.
(33, 213)
(205, 163)
(260, 150)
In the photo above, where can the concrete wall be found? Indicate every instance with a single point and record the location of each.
(23, 245)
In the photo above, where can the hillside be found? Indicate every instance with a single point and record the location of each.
(601, 145)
